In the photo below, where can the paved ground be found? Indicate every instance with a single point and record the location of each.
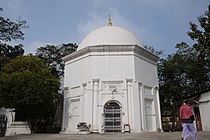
(140, 136)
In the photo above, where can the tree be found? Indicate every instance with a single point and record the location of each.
(170, 74)
(8, 52)
(30, 88)
(11, 30)
(180, 76)
(187, 71)
(52, 56)
(202, 37)
(153, 51)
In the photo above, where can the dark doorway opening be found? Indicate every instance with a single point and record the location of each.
(198, 119)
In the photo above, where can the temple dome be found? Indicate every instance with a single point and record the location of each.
(109, 35)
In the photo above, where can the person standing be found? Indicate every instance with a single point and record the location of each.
(187, 118)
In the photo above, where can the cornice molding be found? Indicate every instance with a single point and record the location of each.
(113, 48)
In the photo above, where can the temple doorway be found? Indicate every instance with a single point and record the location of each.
(112, 117)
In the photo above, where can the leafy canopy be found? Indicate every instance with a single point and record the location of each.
(52, 56)
(11, 30)
(29, 87)
(187, 71)
(201, 36)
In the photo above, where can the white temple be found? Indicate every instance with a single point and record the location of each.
(111, 83)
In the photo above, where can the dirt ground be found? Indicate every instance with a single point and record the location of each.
(126, 136)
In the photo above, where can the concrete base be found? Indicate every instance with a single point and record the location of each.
(84, 132)
(75, 133)
(18, 128)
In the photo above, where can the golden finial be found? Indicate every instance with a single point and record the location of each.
(109, 21)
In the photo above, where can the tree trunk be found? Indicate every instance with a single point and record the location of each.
(32, 125)
(173, 115)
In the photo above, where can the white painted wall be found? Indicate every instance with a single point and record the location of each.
(146, 74)
(121, 68)
(204, 106)
(112, 66)
(145, 71)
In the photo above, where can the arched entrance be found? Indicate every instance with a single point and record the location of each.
(112, 117)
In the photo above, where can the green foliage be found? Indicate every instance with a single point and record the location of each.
(201, 34)
(8, 52)
(173, 72)
(187, 71)
(153, 51)
(180, 76)
(27, 85)
(25, 63)
(52, 56)
(11, 30)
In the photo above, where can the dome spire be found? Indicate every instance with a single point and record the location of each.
(109, 21)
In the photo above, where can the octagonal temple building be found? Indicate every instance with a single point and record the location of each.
(111, 84)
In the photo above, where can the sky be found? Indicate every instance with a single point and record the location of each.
(157, 23)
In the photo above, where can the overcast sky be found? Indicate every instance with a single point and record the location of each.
(158, 23)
